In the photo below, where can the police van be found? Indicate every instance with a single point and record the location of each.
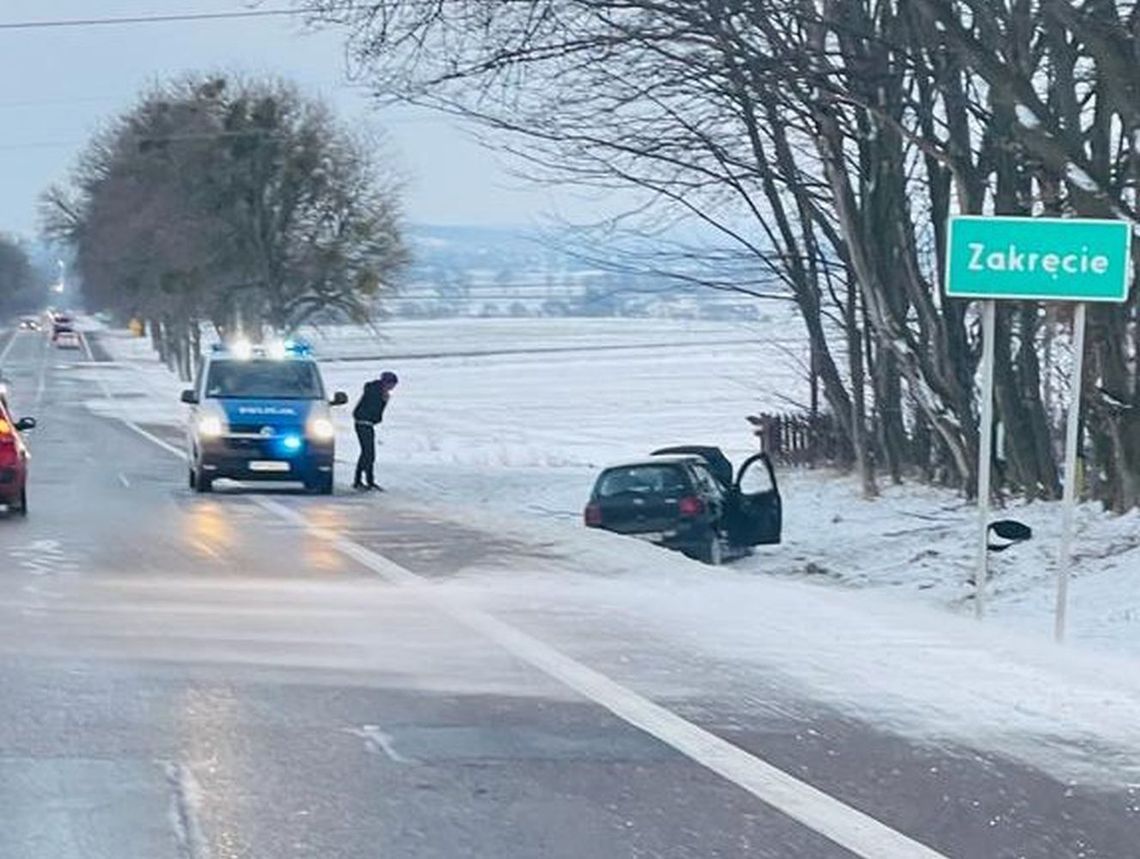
(261, 413)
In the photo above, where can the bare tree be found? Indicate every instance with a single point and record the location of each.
(20, 285)
(831, 139)
(1062, 77)
(241, 203)
(622, 95)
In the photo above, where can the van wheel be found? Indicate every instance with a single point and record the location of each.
(191, 480)
(22, 510)
(322, 485)
(201, 481)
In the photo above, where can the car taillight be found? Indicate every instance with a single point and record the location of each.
(690, 505)
(593, 515)
(9, 456)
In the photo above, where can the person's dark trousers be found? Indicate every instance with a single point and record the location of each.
(366, 435)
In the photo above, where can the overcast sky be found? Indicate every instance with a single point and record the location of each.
(58, 85)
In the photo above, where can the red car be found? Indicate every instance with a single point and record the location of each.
(13, 461)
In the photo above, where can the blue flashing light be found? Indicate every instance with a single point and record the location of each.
(298, 348)
(291, 443)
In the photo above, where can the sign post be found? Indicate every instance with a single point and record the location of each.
(985, 454)
(1064, 562)
(1035, 259)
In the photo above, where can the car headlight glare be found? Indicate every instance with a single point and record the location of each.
(242, 349)
(322, 429)
(210, 426)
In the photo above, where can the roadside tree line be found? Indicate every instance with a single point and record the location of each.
(23, 287)
(237, 203)
(829, 141)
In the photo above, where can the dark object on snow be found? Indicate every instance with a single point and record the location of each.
(1010, 531)
(688, 498)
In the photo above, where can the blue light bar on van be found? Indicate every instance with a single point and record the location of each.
(277, 349)
(298, 348)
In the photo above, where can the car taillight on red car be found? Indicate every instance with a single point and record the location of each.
(593, 515)
(690, 506)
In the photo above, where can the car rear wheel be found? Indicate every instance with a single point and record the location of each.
(712, 552)
(22, 508)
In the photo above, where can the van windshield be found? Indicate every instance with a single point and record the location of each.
(264, 380)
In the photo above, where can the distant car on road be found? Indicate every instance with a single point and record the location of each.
(61, 324)
(67, 340)
(13, 461)
(29, 323)
(689, 498)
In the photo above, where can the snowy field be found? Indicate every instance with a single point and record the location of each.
(506, 422)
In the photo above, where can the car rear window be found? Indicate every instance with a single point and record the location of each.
(642, 480)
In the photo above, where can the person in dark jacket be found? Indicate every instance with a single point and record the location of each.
(369, 411)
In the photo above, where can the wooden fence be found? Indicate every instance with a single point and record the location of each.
(791, 439)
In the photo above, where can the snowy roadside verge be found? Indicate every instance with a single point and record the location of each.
(514, 442)
(873, 655)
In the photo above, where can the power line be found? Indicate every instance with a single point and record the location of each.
(182, 18)
(55, 102)
(43, 144)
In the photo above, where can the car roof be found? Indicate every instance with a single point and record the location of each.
(713, 457)
(657, 460)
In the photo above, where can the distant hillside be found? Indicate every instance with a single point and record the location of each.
(491, 271)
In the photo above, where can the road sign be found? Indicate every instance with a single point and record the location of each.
(1035, 259)
(1038, 259)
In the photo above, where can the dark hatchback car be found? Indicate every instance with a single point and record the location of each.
(690, 499)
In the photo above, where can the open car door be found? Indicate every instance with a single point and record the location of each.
(718, 463)
(756, 515)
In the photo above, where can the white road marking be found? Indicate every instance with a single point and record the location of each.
(15, 335)
(41, 381)
(153, 439)
(185, 802)
(91, 358)
(123, 480)
(378, 742)
(846, 826)
(44, 557)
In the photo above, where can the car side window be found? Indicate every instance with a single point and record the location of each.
(707, 482)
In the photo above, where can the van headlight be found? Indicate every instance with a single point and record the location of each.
(321, 429)
(210, 426)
